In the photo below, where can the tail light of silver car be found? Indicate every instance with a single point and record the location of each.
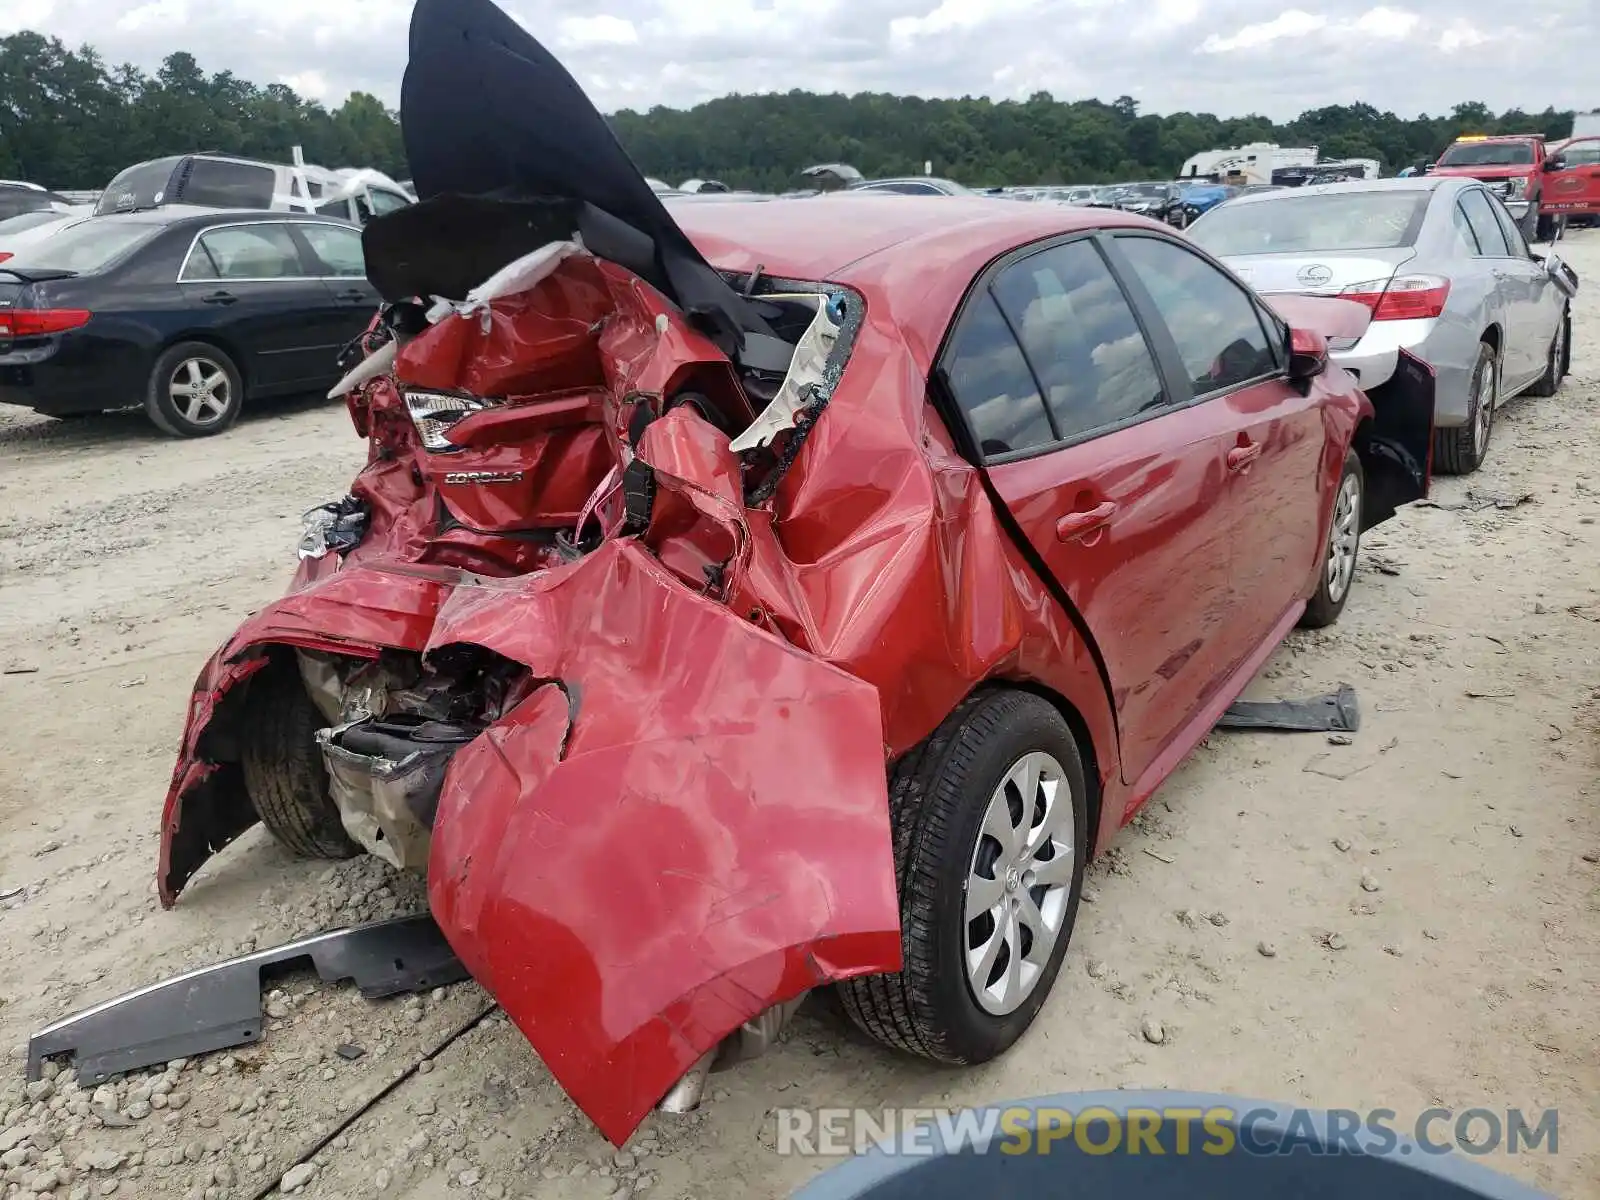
(1403, 298)
(434, 413)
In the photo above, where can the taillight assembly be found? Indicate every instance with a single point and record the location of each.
(36, 322)
(1403, 298)
(433, 413)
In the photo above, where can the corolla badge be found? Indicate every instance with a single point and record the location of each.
(1316, 275)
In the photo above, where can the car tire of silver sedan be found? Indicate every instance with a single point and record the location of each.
(1555, 368)
(1461, 449)
(1337, 573)
(990, 835)
(195, 390)
(284, 775)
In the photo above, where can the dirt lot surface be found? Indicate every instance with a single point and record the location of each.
(1406, 921)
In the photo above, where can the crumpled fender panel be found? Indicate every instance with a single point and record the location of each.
(689, 827)
(353, 611)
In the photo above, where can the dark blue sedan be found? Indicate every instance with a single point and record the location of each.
(186, 311)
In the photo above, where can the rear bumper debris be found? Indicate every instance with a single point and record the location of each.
(220, 1006)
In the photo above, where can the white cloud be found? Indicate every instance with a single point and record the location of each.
(1387, 22)
(1461, 36)
(1276, 57)
(599, 30)
(1294, 23)
(310, 84)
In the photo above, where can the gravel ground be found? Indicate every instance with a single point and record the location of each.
(1404, 921)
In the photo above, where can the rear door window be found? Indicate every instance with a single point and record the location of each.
(1485, 228)
(337, 248)
(992, 385)
(216, 184)
(1081, 338)
(1216, 324)
(244, 253)
(1516, 244)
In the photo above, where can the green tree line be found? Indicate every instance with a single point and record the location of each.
(68, 120)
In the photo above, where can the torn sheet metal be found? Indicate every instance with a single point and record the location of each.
(1336, 712)
(805, 376)
(220, 1006)
(650, 783)
(385, 777)
(519, 275)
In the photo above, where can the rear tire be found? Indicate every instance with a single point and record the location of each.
(1555, 370)
(1336, 575)
(284, 775)
(945, 798)
(1460, 450)
(194, 390)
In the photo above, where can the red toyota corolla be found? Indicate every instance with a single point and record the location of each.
(764, 596)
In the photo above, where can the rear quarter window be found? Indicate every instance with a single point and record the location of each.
(216, 184)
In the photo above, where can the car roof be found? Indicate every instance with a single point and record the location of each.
(179, 214)
(914, 255)
(1411, 183)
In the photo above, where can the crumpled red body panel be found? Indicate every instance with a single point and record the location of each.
(696, 828)
(689, 829)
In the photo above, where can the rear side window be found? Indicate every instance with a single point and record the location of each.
(141, 186)
(84, 248)
(992, 385)
(386, 202)
(14, 201)
(215, 184)
(1215, 323)
(1516, 244)
(1466, 242)
(338, 249)
(1081, 338)
(1491, 241)
(243, 252)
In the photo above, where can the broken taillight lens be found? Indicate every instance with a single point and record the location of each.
(433, 413)
(1403, 298)
(37, 322)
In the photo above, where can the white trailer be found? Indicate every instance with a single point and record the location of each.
(1254, 162)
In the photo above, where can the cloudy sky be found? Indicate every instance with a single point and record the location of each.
(1223, 56)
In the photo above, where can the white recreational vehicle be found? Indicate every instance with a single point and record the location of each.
(1254, 162)
(222, 181)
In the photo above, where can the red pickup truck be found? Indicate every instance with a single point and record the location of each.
(1517, 163)
(1573, 191)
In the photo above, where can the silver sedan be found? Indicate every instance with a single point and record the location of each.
(1444, 269)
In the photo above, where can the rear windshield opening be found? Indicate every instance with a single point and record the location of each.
(83, 249)
(140, 186)
(1292, 224)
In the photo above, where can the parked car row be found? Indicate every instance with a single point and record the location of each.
(1449, 277)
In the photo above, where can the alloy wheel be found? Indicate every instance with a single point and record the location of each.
(200, 391)
(1343, 538)
(1019, 883)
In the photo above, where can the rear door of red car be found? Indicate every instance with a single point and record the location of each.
(1235, 356)
(1116, 480)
